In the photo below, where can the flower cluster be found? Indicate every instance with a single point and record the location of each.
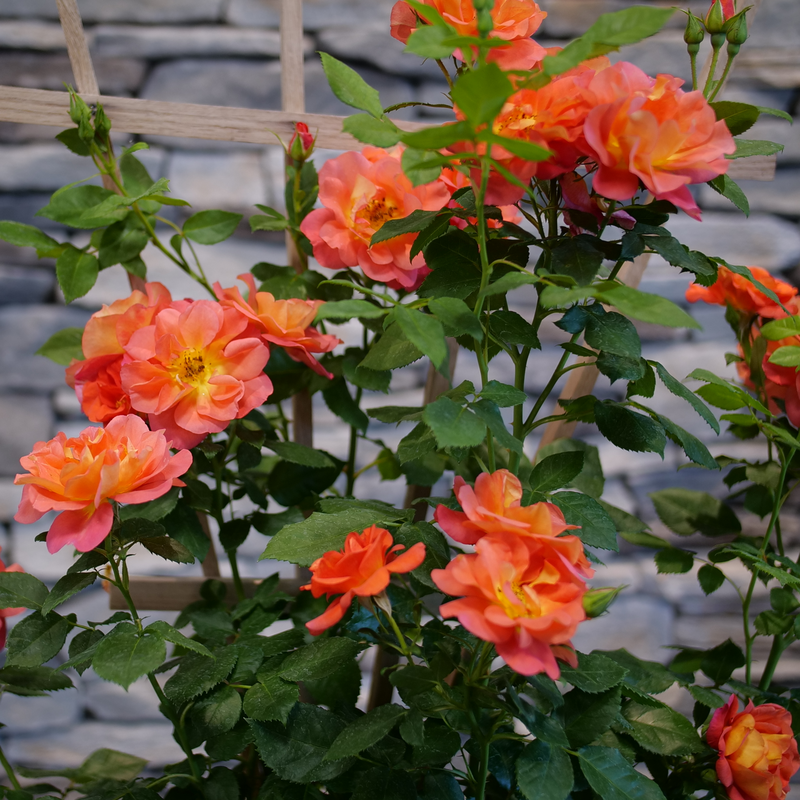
(753, 309)
(523, 587)
(757, 750)
(190, 366)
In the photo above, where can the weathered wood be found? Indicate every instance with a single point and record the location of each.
(292, 82)
(175, 593)
(77, 47)
(581, 381)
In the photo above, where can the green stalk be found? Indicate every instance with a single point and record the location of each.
(693, 60)
(351, 452)
(483, 774)
(721, 82)
(778, 646)
(518, 424)
(12, 776)
(542, 399)
(716, 46)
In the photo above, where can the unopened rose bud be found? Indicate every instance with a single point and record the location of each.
(694, 33)
(597, 601)
(302, 142)
(736, 33)
(716, 17)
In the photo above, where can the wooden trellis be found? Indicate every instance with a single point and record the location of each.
(219, 123)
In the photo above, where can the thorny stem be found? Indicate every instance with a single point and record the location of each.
(778, 646)
(401, 640)
(693, 60)
(721, 82)
(712, 69)
(483, 775)
(446, 74)
(351, 453)
(519, 383)
(542, 399)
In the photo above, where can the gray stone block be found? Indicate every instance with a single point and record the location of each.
(433, 92)
(761, 240)
(776, 23)
(70, 746)
(23, 330)
(32, 36)
(170, 42)
(22, 207)
(23, 285)
(781, 196)
(780, 131)
(664, 52)
(109, 702)
(232, 180)
(25, 419)
(141, 11)
(117, 76)
(774, 66)
(39, 715)
(41, 167)
(317, 14)
(375, 45)
(567, 19)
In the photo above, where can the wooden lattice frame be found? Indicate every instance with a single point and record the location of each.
(222, 123)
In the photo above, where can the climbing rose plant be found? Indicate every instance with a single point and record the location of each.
(557, 169)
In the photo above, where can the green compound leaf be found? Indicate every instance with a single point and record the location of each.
(76, 272)
(124, 657)
(21, 590)
(365, 731)
(454, 425)
(613, 778)
(661, 730)
(36, 639)
(544, 772)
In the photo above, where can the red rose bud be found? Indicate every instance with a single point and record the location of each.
(302, 142)
(597, 601)
(717, 16)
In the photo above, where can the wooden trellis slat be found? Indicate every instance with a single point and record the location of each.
(254, 126)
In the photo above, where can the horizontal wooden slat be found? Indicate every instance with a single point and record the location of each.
(220, 123)
(175, 593)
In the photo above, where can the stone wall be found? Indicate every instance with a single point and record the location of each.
(224, 52)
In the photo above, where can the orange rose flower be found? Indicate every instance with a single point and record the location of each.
(192, 371)
(7, 612)
(515, 21)
(286, 323)
(125, 462)
(360, 192)
(649, 130)
(96, 380)
(493, 506)
(731, 289)
(362, 568)
(757, 750)
(523, 594)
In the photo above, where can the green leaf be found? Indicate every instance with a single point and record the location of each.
(431, 41)
(490, 414)
(454, 425)
(595, 673)
(65, 587)
(556, 471)
(613, 778)
(590, 480)
(76, 272)
(480, 94)
(687, 511)
(424, 331)
(587, 716)
(122, 241)
(788, 356)
(544, 772)
(166, 632)
(197, 674)
(511, 328)
(509, 282)
(455, 261)
(36, 639)
(350, 87)
(777, 329)
(661, 730)
(380, 132)
(219, 711)
(169, 549)
(421, 167)
(609, 33)
(35, 679)
(272, 699)
(318, 659)
(344, 310)
(392, 351)
(672, 561)
(456, 317)
(728, 188)
(646, 307)
(381, 783)
(691, 445)
(211, 227)
(154, 510)
(720, 662)
(339, 401)
(739, 117)
(299, 454)
(84, 207)
(578, 258)
(365, 731)
(648, 677)
(613, 333)
(503, 395)
(519, 147)
(629, 430)
(304, 542)
(705, 697)
(124, 657)
(441, 786)
(21, 590)
(262, 222)
(710, 578)
(21, 235)
(110, 765)
(296, 752)
(597, 529)
(679, 390)
(754, 147)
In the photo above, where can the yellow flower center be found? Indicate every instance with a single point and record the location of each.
(378, 211)
(516, 119)
(190, 367)
(516, 601)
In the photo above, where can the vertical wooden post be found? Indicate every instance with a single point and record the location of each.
(77, 47)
